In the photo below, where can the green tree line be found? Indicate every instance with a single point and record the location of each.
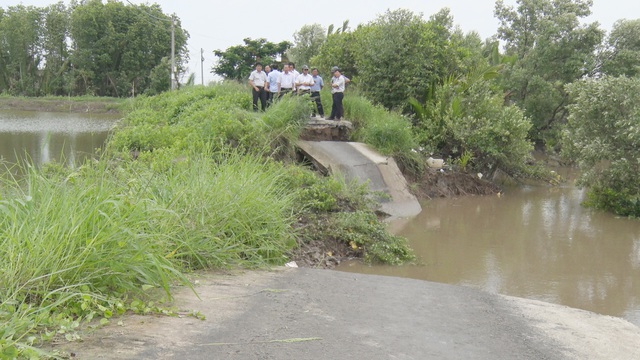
(87, 48)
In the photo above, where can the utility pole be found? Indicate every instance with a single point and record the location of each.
(173, 52)
(202, 65)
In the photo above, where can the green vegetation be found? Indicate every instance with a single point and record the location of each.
(237, 62)
(603, 135)
(87, 48)
(464, 115)
(552, 48)
(190, 180)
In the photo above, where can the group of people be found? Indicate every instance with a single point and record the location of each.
(271, 84)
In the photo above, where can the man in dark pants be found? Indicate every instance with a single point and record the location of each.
(257, 80)
(318, 83)
(337, 91)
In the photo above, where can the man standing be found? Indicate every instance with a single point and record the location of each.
(292, 69)
(304, 81)
(257, 80)
(318, 83)
(337, 91)
(286, 82)
(272, 83)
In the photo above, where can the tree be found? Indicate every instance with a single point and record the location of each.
(307, 43)
(603, 133)
(552, 50)
(115, 46)
(20, 40)
(55, 49)
(622, 54)
(238, 61)
(395, 57)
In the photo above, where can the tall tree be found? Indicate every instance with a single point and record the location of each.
(20, 37)
(116, 46)
(622, 53)
(397, 56)
(552, 49)
(238, 61)
(307, 43)
(55, 49)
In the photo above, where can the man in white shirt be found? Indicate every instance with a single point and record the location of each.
(272, 83)
(286, 82)
(304, 81)
(258, 80)
(292, 69)
(337, 91)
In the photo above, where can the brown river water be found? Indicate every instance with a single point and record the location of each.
(534, 242)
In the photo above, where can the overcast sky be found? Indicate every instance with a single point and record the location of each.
(221, 24)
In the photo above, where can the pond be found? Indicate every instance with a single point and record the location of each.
(531, 242)
(45, 137)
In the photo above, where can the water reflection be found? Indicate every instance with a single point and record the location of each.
(45, 137)
(534, 242)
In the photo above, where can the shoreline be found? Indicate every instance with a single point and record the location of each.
(85, 104)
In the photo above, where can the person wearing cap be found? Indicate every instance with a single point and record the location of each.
(257, 80)
(286, 81)
(272, 83)
(337, 92)
(318, 83)
(304, 81)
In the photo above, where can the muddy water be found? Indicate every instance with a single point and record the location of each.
(532, 242)
(44, 137)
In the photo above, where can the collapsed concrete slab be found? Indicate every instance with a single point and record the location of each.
(357, 161)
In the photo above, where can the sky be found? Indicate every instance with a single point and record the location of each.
(217, 25)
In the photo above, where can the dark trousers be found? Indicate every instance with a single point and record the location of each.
(315, 96)
(337, 110)
(270, 98)
(261, 94)
(284, 92)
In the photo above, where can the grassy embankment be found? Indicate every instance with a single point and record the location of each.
(190, 180)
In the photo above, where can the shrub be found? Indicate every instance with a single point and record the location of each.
(603, 134)
(464, 115)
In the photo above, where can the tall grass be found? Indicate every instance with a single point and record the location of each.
(210, 118)
(389, 132)
(75, 244)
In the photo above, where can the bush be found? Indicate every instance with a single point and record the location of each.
(464, 117)
(603, 134)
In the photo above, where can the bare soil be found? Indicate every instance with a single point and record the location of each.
(435, 184)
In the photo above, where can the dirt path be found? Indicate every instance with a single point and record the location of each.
(323, 314)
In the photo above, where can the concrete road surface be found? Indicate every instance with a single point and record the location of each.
(323, 314)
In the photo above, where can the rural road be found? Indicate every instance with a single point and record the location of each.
(324, 314)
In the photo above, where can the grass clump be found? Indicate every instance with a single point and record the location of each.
(389, 132)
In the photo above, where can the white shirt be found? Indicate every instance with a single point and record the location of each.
(337, 80)
(304, 79)
(258, 78)
(295, 76)
(273, 80)
(286, 80)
